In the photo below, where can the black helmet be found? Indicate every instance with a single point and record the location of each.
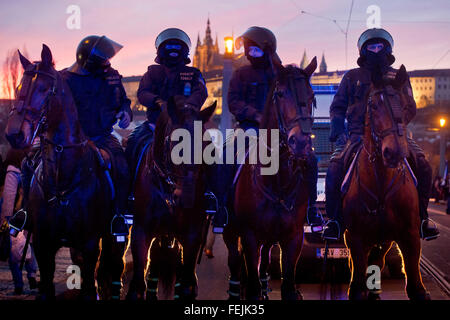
(94, 52)
(372, 36)
(262, 37)
(375, 33)
(176, 35)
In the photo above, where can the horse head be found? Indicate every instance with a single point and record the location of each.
(185, 121)
(386, 119)
(293, 100)
(33, 99)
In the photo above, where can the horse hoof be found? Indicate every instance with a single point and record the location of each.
(420, 296)
(295, 295)
(373, 296)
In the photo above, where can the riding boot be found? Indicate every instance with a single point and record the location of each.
(333, 205)
(312, 217)
(18, 221)
(121, 178)
(428, 230)
(220, 180)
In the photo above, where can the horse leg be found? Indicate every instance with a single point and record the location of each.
(112, 264)
(290, 252)
(90, 257)
(178, 271)
(410, 247)
(191, 247)
(235, 263)
(45, 257)
(251, 253)
(153, 272)
(263, 268)
(377, 257)
(358, 254)
(140, 243)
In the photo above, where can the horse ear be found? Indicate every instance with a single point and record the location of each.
(24, 61)
(172, 109)
(401, 77)
(46, 56)
(312, 66)
(207, 112)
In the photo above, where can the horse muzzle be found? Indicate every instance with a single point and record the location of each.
(299, 144)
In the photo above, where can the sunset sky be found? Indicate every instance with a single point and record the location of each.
(420, 28)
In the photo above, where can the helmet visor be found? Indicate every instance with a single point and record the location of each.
(105, 49)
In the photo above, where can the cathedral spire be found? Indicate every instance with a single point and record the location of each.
(208, 40)
(323, 64)
(199, 43)
(304, 63)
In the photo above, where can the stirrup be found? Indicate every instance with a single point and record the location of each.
(421, 230)
(17, 222)
(315, 227)
(218, 229)
(326, 227)
(119, 234)
(212, 204)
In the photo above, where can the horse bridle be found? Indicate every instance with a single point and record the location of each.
(395, 116)
(304, 118)
(23, 104)
(397, 128)
(26, 88)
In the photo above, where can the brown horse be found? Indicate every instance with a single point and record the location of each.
(381, 204)
(169, 199)
(69, 199)
(272, 208)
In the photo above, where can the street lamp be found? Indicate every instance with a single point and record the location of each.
(443, 144)
(225, 119)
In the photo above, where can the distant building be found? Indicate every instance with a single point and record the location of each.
(430, 87)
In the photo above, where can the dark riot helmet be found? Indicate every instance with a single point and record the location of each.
(173, 34)
(262, 37)
(375, 33)
(371, 36)
(94, 52)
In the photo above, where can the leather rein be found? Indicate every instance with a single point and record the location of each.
(396, 129)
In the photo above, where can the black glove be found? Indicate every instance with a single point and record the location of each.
(337, 128)
(160, 103)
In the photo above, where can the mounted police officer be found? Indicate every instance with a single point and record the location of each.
(101, 100)
(169, 77)
(375, 49)
(249, 86)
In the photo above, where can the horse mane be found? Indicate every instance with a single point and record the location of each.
(268, 120)
(160, 135)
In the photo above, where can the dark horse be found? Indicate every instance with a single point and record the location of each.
(272, 208)
(169, 197)
(381, 204)
(69, 198)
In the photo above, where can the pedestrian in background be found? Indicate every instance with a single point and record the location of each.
(437, 189)
(12, 198)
